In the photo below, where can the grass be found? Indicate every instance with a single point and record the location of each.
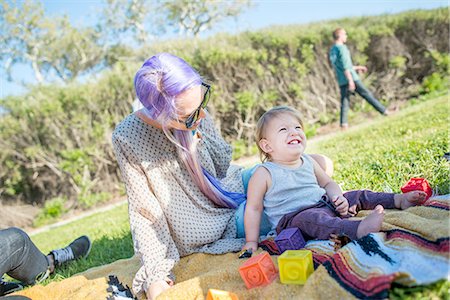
(379, 154)
(109, 232)
(384, 153)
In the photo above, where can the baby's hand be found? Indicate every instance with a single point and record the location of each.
(341, 204)
(250, 245)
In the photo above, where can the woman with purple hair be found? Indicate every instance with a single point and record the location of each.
(182, 191)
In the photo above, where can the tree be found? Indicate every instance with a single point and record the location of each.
(72, 51)
(49, 46)
(144, 19)
(21, 36)
(53, 48)
(125, 19)
(191, 17)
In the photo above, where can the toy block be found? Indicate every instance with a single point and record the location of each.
(417, 184)
(295, 266)
(290, 239)
(258, 271)
(214, 294)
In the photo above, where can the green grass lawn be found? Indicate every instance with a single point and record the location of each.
(109, 232)
(381, 154)
(384, 153)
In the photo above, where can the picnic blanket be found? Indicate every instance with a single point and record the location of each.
(413, 249)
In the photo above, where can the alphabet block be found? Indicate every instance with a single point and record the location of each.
(290, 239)
(258, 271)
(295, 266)
(214, 294)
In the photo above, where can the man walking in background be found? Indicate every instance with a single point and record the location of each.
(347, 77)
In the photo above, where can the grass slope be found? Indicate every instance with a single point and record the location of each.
(384, 153)
(380, 154)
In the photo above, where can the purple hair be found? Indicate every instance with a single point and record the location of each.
(160, 79)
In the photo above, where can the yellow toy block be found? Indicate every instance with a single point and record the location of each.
(295, 266)
(220, 295)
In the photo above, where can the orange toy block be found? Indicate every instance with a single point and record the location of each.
(295, 266)
(214, 294)
(258, 271)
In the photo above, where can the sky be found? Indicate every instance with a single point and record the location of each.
(262, 14)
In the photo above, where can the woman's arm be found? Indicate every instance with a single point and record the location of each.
(151, 236)
(257, 188)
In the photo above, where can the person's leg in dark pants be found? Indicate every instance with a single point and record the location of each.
(19, 257)
(368, 200)
(321, 222)
(366, 94)
(345, 104)
(22, 260)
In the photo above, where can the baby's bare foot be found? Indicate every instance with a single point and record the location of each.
(371, 223)
(403, 201)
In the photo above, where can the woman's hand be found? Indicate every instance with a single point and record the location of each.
(341, 204)
(251, 245)
(157, 287)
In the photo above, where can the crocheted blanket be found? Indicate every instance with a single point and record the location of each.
(413, 249)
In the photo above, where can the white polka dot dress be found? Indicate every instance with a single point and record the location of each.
(169, 216)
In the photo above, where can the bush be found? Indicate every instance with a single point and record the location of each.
(51, 211)
(434, 83)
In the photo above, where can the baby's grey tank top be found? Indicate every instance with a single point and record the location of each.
(291, 189)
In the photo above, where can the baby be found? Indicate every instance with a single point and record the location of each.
(294, 191)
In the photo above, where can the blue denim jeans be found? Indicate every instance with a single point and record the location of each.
(363, 92)
(19, 257)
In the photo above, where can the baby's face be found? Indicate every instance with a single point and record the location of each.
(285, 138)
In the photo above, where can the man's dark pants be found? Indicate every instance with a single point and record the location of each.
(363, 92)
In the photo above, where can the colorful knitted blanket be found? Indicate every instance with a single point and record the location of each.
(413, 249)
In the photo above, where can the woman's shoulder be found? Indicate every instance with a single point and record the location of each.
(144, 141)
(130, 128)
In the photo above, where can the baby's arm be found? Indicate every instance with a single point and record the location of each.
(257, 187)
(334, 191)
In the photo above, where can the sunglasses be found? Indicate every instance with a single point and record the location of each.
(193, 117)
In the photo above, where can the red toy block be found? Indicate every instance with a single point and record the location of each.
(214, 294)
(258, 271)
(417, 184)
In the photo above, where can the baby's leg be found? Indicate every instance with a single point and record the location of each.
(368, 200)
(371, 223)
(403, 201)
(321, 222)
